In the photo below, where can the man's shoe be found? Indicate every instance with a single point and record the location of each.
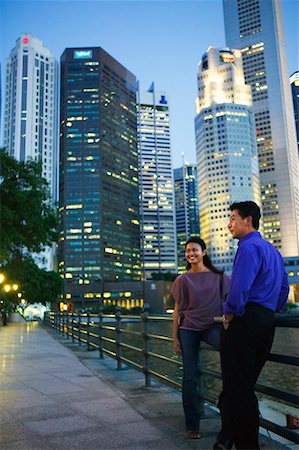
(223, 444)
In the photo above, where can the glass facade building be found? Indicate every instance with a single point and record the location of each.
(186, 208)
(294, 80)
(227, 162)
(99, 188)
(158, 241)
(30, 128)
(255, 28)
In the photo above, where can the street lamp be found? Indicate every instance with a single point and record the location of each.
(2, 278)
(7, 288)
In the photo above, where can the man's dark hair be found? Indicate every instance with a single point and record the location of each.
(248, 208)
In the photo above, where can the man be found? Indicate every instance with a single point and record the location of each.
(259, 288)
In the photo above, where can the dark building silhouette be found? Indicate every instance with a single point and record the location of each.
(99, 204)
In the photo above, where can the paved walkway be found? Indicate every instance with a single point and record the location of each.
(56, 395)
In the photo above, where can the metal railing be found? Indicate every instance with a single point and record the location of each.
(107, 332)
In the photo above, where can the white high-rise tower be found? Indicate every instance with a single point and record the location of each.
(227, 165)
(255, 27)
(157, 211)
(30, 114)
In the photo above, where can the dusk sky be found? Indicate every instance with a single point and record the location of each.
(160, 41)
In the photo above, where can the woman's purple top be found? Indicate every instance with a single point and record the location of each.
(200, 296)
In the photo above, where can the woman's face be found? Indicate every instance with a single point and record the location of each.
(194, 253)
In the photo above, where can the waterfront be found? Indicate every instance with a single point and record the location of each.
(275, 375)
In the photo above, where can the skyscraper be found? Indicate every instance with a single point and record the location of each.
(226, 149)
(158, 241)
(99, 189)
(294, 80)
(255, 27)
(30, 115)
(186, 208)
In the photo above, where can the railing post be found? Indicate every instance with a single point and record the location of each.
(79, 329)
(101, 309)
(88, 331)
(63, 323)
(200, 384)
(117, 343)
(73, 338)
(56, 321)
(67, 325)
(146, 344)
(60, 322)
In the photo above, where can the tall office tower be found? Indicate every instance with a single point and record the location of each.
(255, 27)
(294, 80)
(226, 149)
(30, 114)
(158, 241)
(99, 188)
(186, 208)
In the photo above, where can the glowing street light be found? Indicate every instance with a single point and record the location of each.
(2, 278)
(7, 288)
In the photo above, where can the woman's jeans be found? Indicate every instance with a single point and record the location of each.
(190, 344)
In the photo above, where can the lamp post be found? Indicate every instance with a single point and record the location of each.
(6, 304)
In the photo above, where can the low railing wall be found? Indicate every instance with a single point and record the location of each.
(106, 333)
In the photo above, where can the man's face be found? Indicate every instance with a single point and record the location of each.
(239, 227)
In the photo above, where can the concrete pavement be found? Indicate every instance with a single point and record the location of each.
(56, 395)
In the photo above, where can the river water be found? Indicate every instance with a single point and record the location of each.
(277, 375)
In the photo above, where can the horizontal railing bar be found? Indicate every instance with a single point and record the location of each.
(209, 398)
(284, 359)
(162, 318)
(278, 393)
(128, 316)
(112, 341)
(131, 363)
(108, 327)
(132, 333)
(109, 352)
(289, 322)
(209, 372)
(131, 347)
(93, 335)
(93, 344)
(161, 338)
(164, 358)
(164, 377)
(281, 431)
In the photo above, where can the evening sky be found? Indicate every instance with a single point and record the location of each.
(159, 41)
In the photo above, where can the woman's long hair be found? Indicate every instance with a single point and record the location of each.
(206, 260)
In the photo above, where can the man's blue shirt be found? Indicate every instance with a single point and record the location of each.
(258, 276)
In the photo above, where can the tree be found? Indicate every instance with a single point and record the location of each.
(28, 218)
(28, 223)
(36, 285)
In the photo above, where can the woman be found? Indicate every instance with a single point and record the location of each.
(198, 294)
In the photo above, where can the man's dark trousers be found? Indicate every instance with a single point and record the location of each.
(245, 347)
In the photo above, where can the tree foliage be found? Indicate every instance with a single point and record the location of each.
(29, 223)
(36, 285)
(28, 218)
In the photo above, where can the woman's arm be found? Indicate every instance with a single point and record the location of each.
(175, 329)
